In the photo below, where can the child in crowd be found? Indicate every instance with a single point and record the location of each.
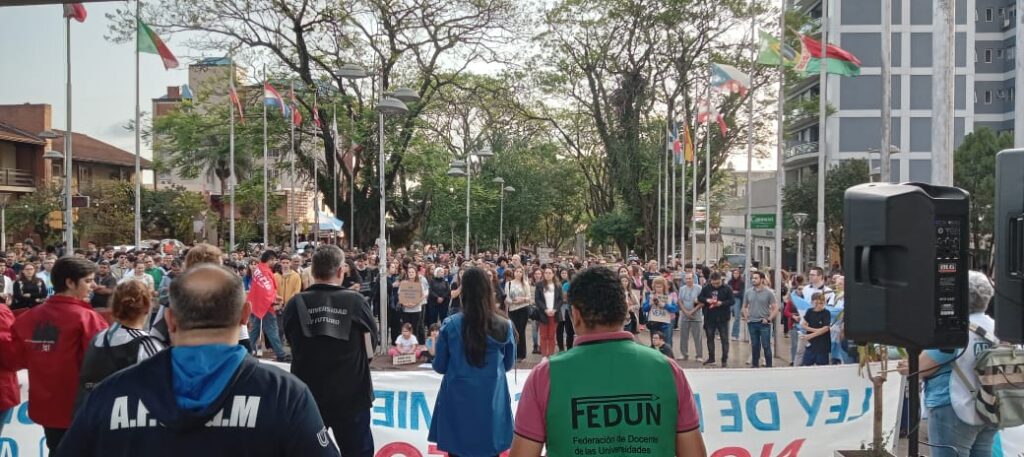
(658, 341)
(435, 330)
(406, 343)
(816, 324)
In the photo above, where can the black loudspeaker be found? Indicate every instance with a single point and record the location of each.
(1009, 241)
(905, 257)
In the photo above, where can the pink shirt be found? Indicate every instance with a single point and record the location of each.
(531, 416)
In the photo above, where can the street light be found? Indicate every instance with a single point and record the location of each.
(893, 149)
(69, 245)
(348, 71)
(799, 218)
(391, 107)
(501, 219)
(465, 168)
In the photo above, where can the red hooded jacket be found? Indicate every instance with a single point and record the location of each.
(10, 392)
(50, 340)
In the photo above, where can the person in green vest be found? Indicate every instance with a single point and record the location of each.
(590, 400)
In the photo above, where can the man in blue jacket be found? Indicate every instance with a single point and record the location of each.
(203, 397)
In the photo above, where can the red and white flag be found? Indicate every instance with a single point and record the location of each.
(75, 11)
(238, 104)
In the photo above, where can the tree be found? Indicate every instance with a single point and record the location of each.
(616, 227)
(803, 197)
(195, 143)
(30, 212)
(421, 43)
(624, 66)
(975, 171)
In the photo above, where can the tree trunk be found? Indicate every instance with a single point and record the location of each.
(876, 433)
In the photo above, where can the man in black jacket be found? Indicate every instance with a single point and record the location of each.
(333, 335)
(717, 299)
(203, 397)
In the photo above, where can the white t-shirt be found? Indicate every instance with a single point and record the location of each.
(549, 297)
(960, 395)
(406, 345)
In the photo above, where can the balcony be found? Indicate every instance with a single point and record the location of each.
(21, 180)
(800, 154)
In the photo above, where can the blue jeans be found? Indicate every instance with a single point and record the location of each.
(737, 309)
(269, 325)
(760, 338)
(946, 431)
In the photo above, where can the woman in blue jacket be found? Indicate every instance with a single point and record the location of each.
(473, 413)
(660, 307)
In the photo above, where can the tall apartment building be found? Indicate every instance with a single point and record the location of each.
(984, 84)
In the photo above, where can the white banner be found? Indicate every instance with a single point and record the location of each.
(779, 412)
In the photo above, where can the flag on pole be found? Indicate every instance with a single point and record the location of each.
(838, 61)
(148, 41)
(237, 104)
(688, 149)
(722, 126)
(75, 11)
(772, 52)
(727, 78)
(677, 145)
(705, 112)
(296, 114)
(272, 98)
(316, 115)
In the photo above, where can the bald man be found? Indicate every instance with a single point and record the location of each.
(205, 396)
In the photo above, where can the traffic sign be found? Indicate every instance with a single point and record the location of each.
(762, 221)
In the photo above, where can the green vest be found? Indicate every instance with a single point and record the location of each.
(611, 398)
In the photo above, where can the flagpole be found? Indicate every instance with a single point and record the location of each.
(351, 188)
(780, 175)
(672, 213)
(682, 195)
(291, 190)
(266, 168)
(138, 145)
(943, 108)
(819, 254)
(883, 156)
(316, 196)
(69, 223)
(657, 212)
(747, 232)
(693, 205)
(232, 180)
(665, 211)
(707, 179)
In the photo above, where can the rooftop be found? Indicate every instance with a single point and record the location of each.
(9, 132)
(88, 149)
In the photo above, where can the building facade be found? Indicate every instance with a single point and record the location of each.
(984, 84)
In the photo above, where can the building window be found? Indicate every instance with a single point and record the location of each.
(1002, 12)
(988, 56)
(988, 14)
(988, 97)
(1011, 53)
(1002, 93)
(1012, 93)
(999, 53)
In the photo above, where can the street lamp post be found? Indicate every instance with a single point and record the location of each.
(390, 106)
(349, 71)
(501, 218)
(69, 243)
(799, 218)
(454, 171)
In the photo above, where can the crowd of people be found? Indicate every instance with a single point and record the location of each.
(77, 322)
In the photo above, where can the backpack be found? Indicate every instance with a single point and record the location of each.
(999, 395)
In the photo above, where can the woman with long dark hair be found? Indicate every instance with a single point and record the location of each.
(548, 298)
(473, 413)
(29, 290)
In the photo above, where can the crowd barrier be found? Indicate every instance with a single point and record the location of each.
(780, 412)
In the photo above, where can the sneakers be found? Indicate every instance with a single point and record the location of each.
(286, 359)
(708, 362)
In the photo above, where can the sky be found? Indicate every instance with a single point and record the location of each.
(103, 98)
(103, 73)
